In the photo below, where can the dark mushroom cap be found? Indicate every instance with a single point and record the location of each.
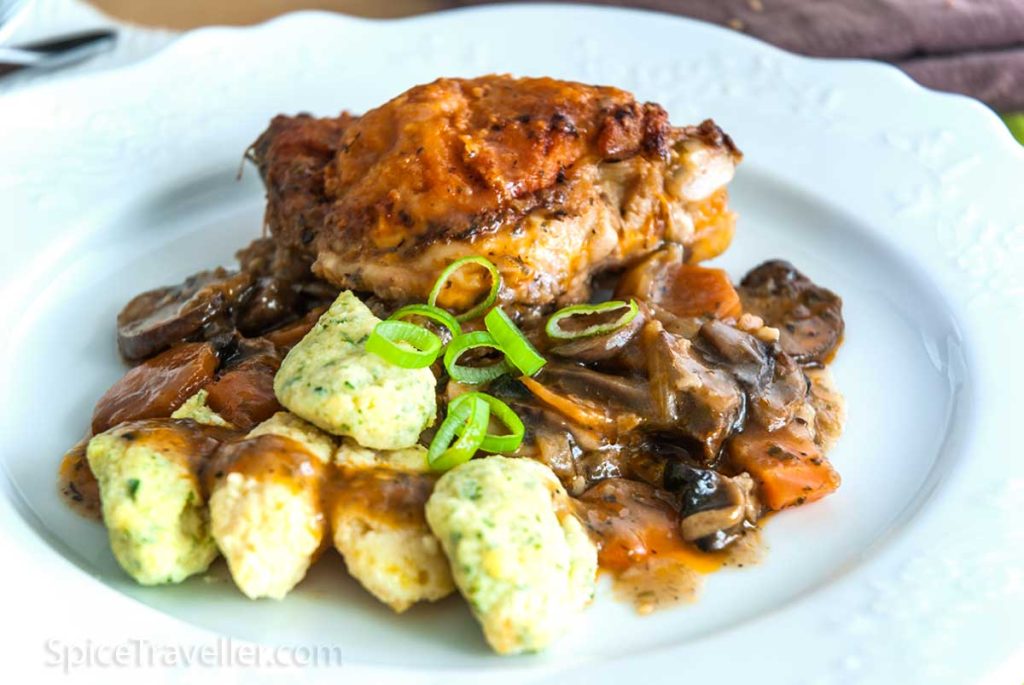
(160, 318)
(603, 347)
(714, 509)
(809, 317)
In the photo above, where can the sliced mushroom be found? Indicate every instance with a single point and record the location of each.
(198, 308)
(809, 317)
(745, 356)
(549, 438)
(602, 347)
(690, 397)
(272, 302)
(617, 393)
(776, 404)
(273, 287)
(683, 326)
(714, 510)
(287, 337)
(776, 386)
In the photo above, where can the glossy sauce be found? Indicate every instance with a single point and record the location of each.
(639, 544)
(288, 336)
(399, 498)
(631, 524)
(77, 484)
(267, 458)
(158, 386)
(272, 459)
(244, 395)
(635, 529)
(185, 441)
(376, 493)
(586, 414)
(215, 452)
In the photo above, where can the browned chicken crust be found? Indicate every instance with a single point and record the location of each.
(553, 181)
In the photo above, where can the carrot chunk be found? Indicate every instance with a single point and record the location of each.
(681, 289)
(700, 291)
(788, 468)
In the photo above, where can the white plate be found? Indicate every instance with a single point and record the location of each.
(906, 202)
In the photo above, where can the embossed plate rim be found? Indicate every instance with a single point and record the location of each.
(923, 153)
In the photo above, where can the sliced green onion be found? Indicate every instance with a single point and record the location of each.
(554, 330)
(473, 374)
(404, 344)
(469, 420)
(429, 312)
(517, 348)
(501, 411)
(479, 308)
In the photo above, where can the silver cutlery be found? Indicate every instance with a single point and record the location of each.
(54, 53)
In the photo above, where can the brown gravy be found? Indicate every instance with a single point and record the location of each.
(399, 498)
(659, 582)
(77, 484)
(268, 458)
(636, 532)
(639, 544)
(377, 493)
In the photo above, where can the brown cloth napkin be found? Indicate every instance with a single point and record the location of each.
(974, 47)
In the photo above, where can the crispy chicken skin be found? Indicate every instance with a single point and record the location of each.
(553, 181)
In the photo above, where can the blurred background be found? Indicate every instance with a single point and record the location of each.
(975, 47)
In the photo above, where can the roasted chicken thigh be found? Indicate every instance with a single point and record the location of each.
(553, 181)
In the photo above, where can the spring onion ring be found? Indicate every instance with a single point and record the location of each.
(519, 351)
(480, 307)
(554, 330)
(469, 420)
(404, 344)
(499, 410)
(473, 374)
(429, 312)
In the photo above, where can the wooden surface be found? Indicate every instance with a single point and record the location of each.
(186, 14)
